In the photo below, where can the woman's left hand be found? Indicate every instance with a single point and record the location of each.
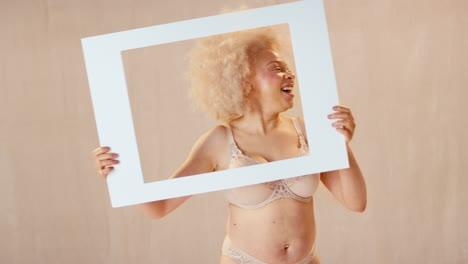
(347, 121)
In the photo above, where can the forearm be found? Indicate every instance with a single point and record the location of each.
(353, 185)
(161, 208)
(153, 209)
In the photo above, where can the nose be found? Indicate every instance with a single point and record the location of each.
(290, 75)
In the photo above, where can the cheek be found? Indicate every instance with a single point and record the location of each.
(269, 79)
(267, 84)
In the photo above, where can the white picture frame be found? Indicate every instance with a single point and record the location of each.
(314, 64)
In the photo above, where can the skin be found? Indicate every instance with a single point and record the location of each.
(282, 231)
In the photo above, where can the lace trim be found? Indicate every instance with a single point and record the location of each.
(291, 181)
(237, 153)
(282, 191)
(241, 257)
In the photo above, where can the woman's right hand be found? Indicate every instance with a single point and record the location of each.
(102, 159)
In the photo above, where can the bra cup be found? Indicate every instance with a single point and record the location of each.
(257, 195)
(304, 186)
(249, 195)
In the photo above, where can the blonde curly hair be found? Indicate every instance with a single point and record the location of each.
(220, 70)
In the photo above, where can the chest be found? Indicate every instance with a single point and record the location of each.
(277, 146)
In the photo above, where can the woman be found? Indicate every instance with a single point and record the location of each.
(241, 80)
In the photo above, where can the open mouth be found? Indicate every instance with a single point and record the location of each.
(287, 90)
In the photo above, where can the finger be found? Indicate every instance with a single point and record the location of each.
(100, 150)
(108, 162)
(104, 172)
(346, 124)
(350, 125)
(341, 108)
(346, 133)
(343, 115)
(105, 156)
(343, 123)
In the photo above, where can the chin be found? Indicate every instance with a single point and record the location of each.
(287, 108)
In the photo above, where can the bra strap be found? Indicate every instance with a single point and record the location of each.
(299, 132)
(234, 149)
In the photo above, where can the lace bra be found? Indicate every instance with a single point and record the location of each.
(257, 195)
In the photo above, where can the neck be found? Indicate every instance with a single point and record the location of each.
(257, 122)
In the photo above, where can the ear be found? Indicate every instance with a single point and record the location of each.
(249, 88)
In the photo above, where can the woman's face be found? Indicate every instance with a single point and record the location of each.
(272, 82)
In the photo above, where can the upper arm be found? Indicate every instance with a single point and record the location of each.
(202, 158)
(331, 180)
(204, 154)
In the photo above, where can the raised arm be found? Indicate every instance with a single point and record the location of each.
(348, 186)
(202, 158)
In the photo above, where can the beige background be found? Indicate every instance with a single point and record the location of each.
(400, 65)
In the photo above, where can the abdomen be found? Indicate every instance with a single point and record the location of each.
(282, 231)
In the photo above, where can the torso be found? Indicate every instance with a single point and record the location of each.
(280, 231)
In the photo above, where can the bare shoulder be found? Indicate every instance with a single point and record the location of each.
(215, 136)
(211, 145)
(204, 155)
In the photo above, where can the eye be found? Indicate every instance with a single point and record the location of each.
(277, 67)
